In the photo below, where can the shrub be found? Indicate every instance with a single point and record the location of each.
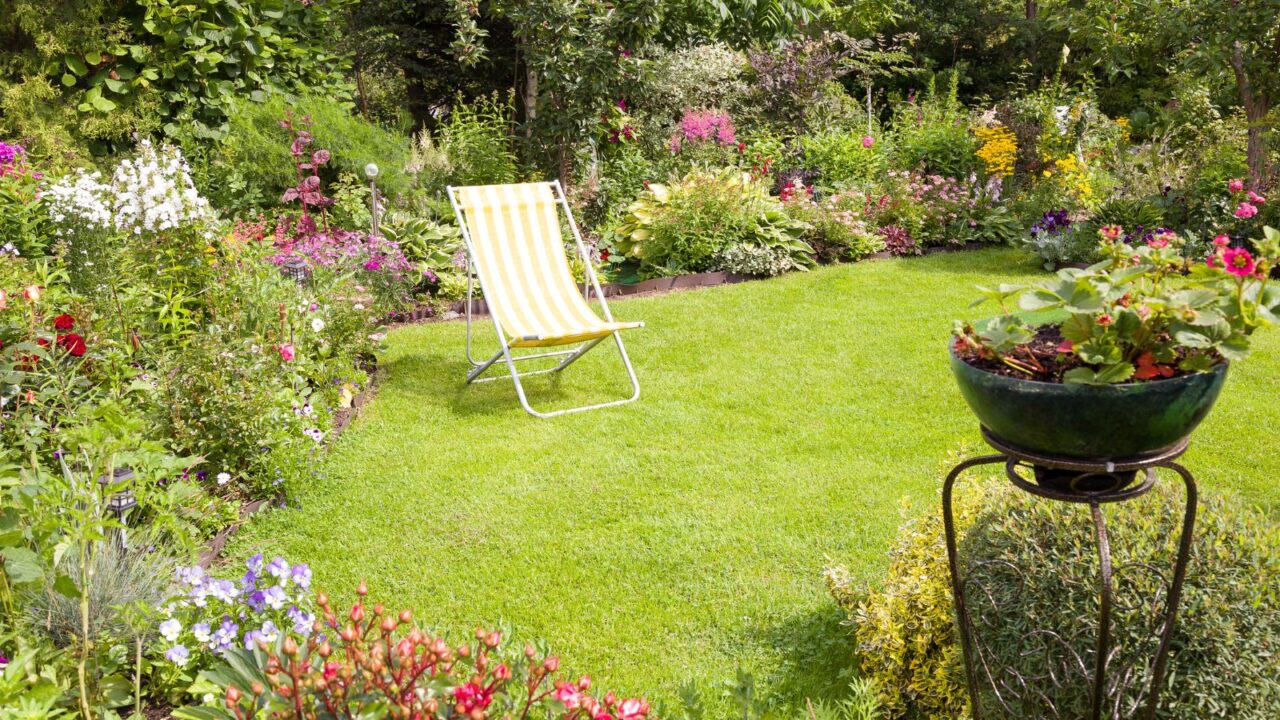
(931, 134)
(251, 166)
(475, 140)
(839, 229)
(24, 223)
(843, 159)
(687, 226)
(1222, 663)
(703, 76)
(373, 662)
(1056, 238)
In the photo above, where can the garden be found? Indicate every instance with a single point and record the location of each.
(244, 473)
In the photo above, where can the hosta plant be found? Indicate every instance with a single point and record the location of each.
(372, 662)
(1140, 314)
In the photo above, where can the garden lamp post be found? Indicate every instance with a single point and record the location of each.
(122, 501)
(371, 172)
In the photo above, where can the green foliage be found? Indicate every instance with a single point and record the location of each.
(1223, 651)
(842, 159)
(931, 134)
(475, 140)
(1128, 318)
(838, 231)
(688, 226)
(251, 166)
(1130, 213)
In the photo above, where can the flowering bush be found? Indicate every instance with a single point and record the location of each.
(209, 616)
(369, 661)
(23, 221)
(839, 231)
(998, 150)
(1056, 238)
(1126, 317)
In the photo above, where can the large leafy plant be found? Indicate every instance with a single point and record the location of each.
(688, 226)
(1134, 316)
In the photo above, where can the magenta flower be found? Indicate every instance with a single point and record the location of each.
(704, 126)
(1255, 198)
(1246, 211)
(868, 141)
(1238, 261)
(1221, 240)
(286, 351)
(1235, 185)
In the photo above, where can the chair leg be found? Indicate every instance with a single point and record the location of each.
(626, 361)
(577, 354)
(478, 368)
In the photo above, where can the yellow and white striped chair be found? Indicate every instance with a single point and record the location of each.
(517, 251)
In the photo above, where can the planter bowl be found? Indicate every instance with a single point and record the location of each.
(1111, 422)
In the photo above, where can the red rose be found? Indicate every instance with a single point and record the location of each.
(73, 344)
(64, 322)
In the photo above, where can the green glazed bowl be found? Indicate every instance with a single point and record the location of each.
(1109, 422)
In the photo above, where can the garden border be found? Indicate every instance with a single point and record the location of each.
(655, 286)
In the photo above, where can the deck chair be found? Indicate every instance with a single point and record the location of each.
(517, 252)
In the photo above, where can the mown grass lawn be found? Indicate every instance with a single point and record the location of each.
(679, 538)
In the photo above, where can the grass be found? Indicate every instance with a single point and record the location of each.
(783, 423)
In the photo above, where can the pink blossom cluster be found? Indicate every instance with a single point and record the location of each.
(1247, 204)
(704, 126)
(338, 248)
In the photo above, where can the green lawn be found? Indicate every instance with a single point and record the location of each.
(681, 537)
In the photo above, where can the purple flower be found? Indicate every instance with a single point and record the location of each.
(301, 575)
(278, 568)
(256, 601)
(202, 632)
(251, 639)
(302, 621)
(254, 563)
(225, 634)
(177, 655)
(170, 629)
(193, 575)
(3, 660)
(249, 582)
(275, 597)
(9, 154)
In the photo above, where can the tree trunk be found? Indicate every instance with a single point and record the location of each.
(364, 98)
(1256, 108)
(1032, 9)
(530, 100)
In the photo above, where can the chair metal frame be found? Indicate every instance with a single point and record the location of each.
(505, 353)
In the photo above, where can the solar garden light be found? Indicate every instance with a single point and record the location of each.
(120, 503)
(371, 172)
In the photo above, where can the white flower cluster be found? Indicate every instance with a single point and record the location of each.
(154, 191)
(151, 192)
(79, 201)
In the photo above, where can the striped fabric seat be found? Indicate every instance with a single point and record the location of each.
(519, 255)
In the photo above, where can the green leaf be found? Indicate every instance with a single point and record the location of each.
(1078, 328)
(22, 566)
(1107, 375)
(75, 64)
(66, 587)
(68, 79)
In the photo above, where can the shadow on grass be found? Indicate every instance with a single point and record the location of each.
(820, 658)
(441, 381)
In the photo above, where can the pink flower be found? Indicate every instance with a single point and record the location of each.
(1256, 199)
(472, 697)
(632, 709)
(1105, 320)
(286, 351)
(1235, 185)
(1222, 240)
(31, 293)
(1238, 261)
(569, 695)
(1246, 211)
(1111, 232)
(4, 300)
(868, 141)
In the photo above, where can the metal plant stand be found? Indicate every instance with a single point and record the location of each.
(1114, 686)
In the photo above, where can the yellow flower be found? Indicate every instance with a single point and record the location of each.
(999, 150)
